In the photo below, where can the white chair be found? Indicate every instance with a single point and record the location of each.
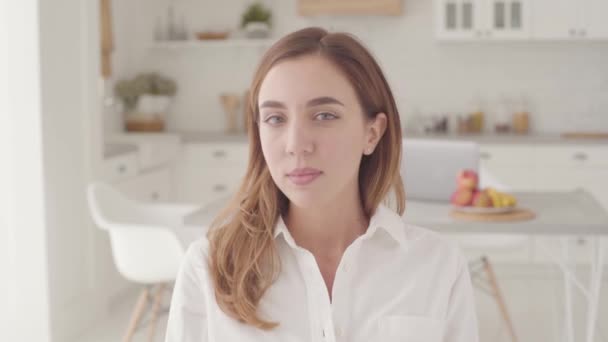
(145, 249)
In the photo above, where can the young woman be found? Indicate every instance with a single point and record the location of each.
(308, 249)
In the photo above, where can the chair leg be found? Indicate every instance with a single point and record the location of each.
(157, 301)
(136, 315)
(499, 298)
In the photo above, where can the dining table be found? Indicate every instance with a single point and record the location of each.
(560, 214)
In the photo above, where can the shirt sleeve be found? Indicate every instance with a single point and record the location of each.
(187, 320)
(461, 325)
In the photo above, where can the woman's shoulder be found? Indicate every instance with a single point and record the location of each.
(197, 253)
(432, 244)
(417, 237)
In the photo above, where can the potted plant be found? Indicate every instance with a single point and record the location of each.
(256, 21)
(146, 100)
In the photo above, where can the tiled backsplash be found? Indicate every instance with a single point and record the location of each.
(565, 82)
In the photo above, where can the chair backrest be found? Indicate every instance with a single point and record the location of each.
(429, 167)
(144, 251)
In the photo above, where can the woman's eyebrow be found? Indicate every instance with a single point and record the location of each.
(323, 101)
(314, 102)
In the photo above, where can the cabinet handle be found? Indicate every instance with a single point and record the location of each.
(485, 155)
(219, 154)
(122, 168)
(219, 188)
(478, 33)
(154, 196)
(581, 241)
(572, 32)
(488, 33)
(580, 156)
(582, 33)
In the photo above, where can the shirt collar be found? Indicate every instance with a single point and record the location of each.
(384, 219)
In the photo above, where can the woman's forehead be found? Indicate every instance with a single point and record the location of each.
(302, 79)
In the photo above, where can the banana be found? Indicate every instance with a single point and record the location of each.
(501, 199)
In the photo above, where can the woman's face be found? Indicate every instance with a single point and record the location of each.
(313, 131)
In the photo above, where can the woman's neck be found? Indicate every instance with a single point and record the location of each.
(328, 231)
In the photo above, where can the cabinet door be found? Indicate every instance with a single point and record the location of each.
(508, 19)
(457, 19)
(595, 19)
(556, 19)
(149, 187)
(548, 249)
(513, 167)
(200, 184)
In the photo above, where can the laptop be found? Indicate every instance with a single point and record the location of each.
(429, 167)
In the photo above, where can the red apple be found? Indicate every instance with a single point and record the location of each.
(482, 199)
(467, 179)
(462, 197)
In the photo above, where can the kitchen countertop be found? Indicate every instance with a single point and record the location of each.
(212, 137)
(544, 138)
(557, 213)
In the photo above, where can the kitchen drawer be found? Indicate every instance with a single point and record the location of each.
(153, 155)
(153, 149)
(119, 167)
(579, 249)
(575, 156)
(511, 178)
(150, 186)
(216, 154)
(202, 184)
(511, 155)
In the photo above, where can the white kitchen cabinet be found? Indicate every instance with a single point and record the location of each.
(210, 171)
(594, 14)
(551, 168)
(202, 184)
(512, 166)
(482, 19)
(549, 249)
(569, 19)
(572, 167)
(151, 186)
(119, 167)
(557, 19)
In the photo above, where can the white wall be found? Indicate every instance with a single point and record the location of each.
(77, 251)
(24, 293)
(49, 249)
(567, 82)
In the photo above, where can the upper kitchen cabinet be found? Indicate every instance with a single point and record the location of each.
(482, 19)
(569, 19)
(594, 18)
(558, 19)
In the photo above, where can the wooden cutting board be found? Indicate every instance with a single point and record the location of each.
(519, 214)
(585, 135)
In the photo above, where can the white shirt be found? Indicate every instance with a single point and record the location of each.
(396, 282)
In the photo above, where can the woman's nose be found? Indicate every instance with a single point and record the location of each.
(299, 140)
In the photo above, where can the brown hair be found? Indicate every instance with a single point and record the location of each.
(243, 258)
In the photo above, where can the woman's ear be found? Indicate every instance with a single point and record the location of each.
(374, 131)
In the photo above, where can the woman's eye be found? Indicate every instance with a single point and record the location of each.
(273, 120)
(326, 116)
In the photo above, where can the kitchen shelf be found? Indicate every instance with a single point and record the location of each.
(193, 43)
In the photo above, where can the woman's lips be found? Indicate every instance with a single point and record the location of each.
(303, 176)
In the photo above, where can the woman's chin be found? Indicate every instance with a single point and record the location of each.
(306, 199)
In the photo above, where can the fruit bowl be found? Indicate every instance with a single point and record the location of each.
(482, 210)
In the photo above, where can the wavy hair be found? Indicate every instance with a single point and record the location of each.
(243, 259)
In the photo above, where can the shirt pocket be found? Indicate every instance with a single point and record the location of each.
(411, 328)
